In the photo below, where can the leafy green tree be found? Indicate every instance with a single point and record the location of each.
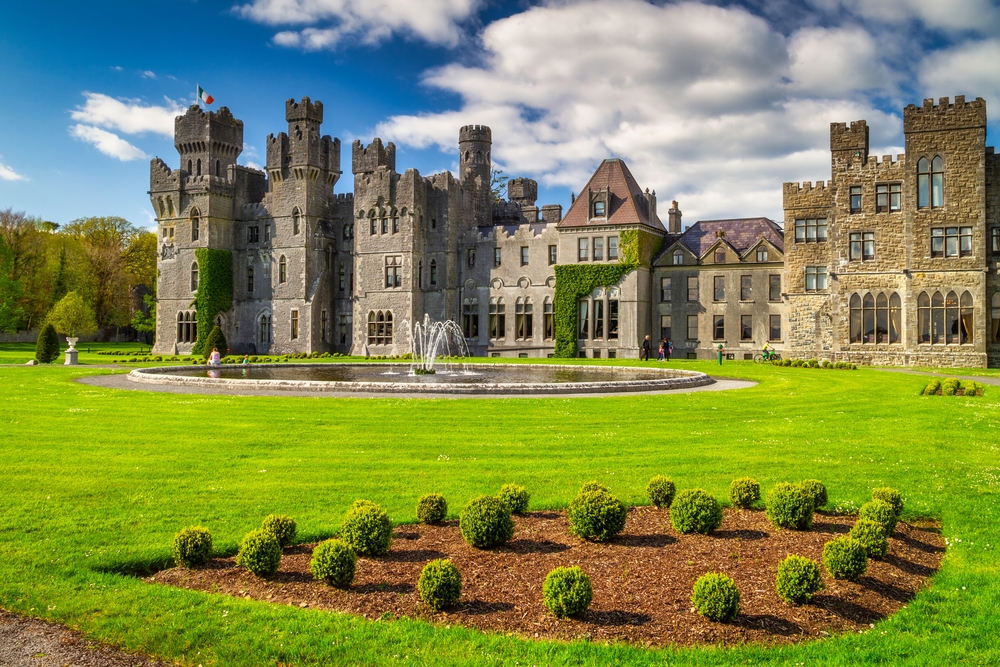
(105, 243)
(11, 312)
(47, 345)
(498, 184)
(72, 316)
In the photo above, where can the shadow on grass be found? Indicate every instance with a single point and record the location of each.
(908, 567)
(917, 544)
(886, 589)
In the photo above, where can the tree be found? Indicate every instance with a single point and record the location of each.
(11, 312)
(24, 244)
(216, 339)
(105, 243)
(498, 184)
(145, 321)
(72, 316)
(47, 345)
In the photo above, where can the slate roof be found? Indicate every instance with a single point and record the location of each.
(628, 203)
(741, 233)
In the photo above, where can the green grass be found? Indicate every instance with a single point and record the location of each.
(96, 482)
(20, 353)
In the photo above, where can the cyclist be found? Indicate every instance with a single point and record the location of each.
(767, 351)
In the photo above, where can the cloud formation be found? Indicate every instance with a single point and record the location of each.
(330, 22)
(108, 143)
(127, 117)
(969, 68)
(8, 174)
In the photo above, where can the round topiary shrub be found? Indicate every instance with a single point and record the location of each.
(715, 597)
(440, 584)
(514, 497)
(789, 506)
(744, 492)
(661, 491)
(567, 591)
(593, 485)
(216, 340)
(798, 578)
(485, 522)
(432, 508)
(367, 529)
(47, 345)
(871, 536)
(334, 562)
(816, 490)
(260, 553)
(596, 515)
(283, 528)
(881, 513)
(891, 496)
(192, 546)
(845, 558)
(694, 511)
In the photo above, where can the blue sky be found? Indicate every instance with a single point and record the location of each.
(713, 104)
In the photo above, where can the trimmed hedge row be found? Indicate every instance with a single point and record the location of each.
(814, 363)
(953, 387)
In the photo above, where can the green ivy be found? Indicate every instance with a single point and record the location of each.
(638, 247)
(215, 290)
(573, 282)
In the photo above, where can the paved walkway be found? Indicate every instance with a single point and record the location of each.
(985, 379)
(29, 642)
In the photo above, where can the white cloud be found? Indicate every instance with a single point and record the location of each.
(370, 21)
(8, 174)
(982, 16)
(107, 142)
(969, 69)
(129, 116)
(706, 104)
(148, 75)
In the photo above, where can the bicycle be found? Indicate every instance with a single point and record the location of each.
(766, 357)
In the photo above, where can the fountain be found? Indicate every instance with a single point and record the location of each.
(429, 339)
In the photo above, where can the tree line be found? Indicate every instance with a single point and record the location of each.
(108, 262)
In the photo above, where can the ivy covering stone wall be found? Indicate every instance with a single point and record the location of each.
(215, 290)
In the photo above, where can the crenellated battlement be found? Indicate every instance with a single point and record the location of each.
(944, 105)
(945, 115)
(806, 186)
(524, 191)
(475, 133)
(306, 110)
(367, 159)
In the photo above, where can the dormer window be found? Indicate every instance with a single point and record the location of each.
(678, 257)
(762, 254)
(720, 256)
(598, 209)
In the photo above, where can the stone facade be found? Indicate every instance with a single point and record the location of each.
(862, 270)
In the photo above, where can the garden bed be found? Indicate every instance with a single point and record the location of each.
(642, 579)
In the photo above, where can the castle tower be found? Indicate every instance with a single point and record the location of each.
(475, 143)
(303, 153)
(208, 141)
(523, 191)
(848, 146)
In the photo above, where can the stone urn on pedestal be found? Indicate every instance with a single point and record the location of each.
(71, 352)
(72, 317)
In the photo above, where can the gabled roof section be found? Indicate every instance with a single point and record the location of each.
(628, 204)
(741, 234)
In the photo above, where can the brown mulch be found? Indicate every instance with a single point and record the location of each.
(642, 579)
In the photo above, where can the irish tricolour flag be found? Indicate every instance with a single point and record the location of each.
(203, 96)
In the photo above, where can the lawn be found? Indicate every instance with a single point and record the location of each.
(96, 482)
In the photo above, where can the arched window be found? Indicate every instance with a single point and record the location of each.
(895, 317)
(995, 324)
(762, 254)
(868, 318)
(470, 318)
(282, 269)
(434, 272)
(265, 329)
(195, 225)
(380, 327)
(930, 182)
(199, 166)
(194, 276)
(523, 318)
(372, 224)
(343, 278)
(856, 319)
(584, 318)
(952, 329)
(548, 314)
(250, 280)
(189, 168)
(678, 257)
(187, 326)
(923, 318)
(295, 221)
(937, 318)
(498, 318)
(720, 256)
(966, 319)
(882, 318)
(218, 168)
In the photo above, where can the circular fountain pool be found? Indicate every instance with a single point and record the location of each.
(364, 378)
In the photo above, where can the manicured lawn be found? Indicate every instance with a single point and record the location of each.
(19, 353)
(96, 482)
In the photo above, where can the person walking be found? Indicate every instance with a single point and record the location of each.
(670, 349)
(660, 352)
(646, 347)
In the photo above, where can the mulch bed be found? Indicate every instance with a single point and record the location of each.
(642, 579)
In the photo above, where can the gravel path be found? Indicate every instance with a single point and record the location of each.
(29, 642)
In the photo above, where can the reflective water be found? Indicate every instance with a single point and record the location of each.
(474, 374)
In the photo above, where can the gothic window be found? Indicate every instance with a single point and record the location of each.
(882, 319)
(888, 197)
(549, 317)
(678, 257)
(810, 230)
(328, 257)
(966, 330)
(598, 326)
(868, 319)
(282, 270)
(612, 248)
(746, 327)
(393, 271)
(395, 224)
(295, 325)
(815, 278)
(774, 287)
(930, 182)
(295, 221)
(385, 224)
(584, 318)
(762, 254)
(380, 327)
(265, 329)
(434, 272)
(372, 224)
(194, 276)
(470, 318)
(524, 318)
(665, 289)
(995, 319)
(190, 171)
(343, 277)
(187, 326)
(195, 224)
(420, 274)
(719, 327)
(498, 318)
(250, 280)
(199, 166)
(855, 318)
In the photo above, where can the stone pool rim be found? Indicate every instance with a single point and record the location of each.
(678, 379)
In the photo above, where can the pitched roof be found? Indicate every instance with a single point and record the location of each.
(740, 233)
(628, 203)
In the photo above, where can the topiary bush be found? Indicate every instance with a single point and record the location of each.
(695, 511)
(596, 516)
(334, 561)
(932, 388)
(485, 522)
(192, 546)
(432, 508)
(798, 579)
(716, 597)
(514, 497)
(593, 485)
(845, 558)
(970, 388)
(744, 492)
(567, 591)
(870, 535)
(283, 528)
(367, 529)
(789, 506)
(661, 491)
(47, 345)
(949, 387)
(891, 496)
(881, 513)
(260, 553)
(816, 490)
(440, 584)
(216, 339)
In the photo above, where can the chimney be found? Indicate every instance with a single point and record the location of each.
(650, 205)
(673, 218)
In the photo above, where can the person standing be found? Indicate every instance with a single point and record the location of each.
(670, 349)
(646, 347)
(660, 352)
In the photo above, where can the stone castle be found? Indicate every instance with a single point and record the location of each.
(891, 261)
